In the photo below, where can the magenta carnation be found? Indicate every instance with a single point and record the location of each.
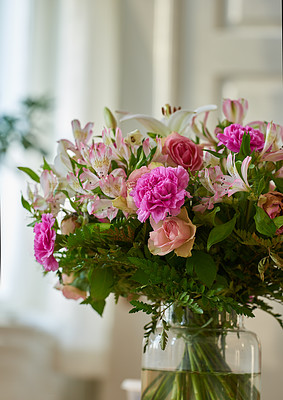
(160, 191)
(233, 135)
(44, 243)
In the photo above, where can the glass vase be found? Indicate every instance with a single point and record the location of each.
(207, 357)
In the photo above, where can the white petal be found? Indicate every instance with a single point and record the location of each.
(151, 124)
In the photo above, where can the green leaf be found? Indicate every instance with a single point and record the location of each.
(46, 166)
(101, 283)
(279, 183)
(277, 259)
(98, 306)
(104, 226)
(203, 265)
(221, 232)
(25, 204)
(30, 173)
(153, 135)
(141, 306)
(207, 218)
(264, 224)
(245, 149)
(278, 221)
(141, 277)
(215, 154)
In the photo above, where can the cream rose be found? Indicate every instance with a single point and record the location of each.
(174, 233)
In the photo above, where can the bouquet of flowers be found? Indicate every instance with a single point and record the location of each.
(176, 214)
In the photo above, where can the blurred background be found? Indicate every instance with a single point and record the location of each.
(133, 55)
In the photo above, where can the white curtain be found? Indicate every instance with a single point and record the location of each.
(63, 49)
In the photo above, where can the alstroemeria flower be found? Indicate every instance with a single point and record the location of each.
(49, 201)
(158, 156)
(215, 182)
(100, 208)
(120, 150)
(98, 156)
(238, 183)
(113, 186)
(235, 110)
(81, 135)
(180, 121)
(75, 184)
(173, 234)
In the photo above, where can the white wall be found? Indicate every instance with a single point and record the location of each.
(132, 55)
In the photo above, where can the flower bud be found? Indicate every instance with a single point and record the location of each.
(109, 118)
(69, 224)
(235, 110)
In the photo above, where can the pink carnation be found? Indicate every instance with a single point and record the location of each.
(233, 135)
(44, 243)
(160, 191)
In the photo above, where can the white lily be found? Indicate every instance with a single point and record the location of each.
(180, 121)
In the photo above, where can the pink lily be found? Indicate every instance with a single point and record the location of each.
(235, 110)
(272, 140)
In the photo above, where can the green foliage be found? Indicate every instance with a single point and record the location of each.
(264, 224)
(203, 265)
(279, 184)
(30, 173)
(245, 149)
(23, 127)
(25, 204)
(221, 232)
(101, 282)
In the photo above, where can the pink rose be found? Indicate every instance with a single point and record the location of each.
(182, 151)
(174, 233)
(44, 242)
(272, 204)
(160, 191)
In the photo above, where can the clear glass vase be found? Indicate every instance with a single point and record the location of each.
(207, 357)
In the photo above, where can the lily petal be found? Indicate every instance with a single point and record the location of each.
(151, 124)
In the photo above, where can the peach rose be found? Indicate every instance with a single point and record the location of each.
(182, 151)
(69, 224)
(174, 233)
(272, 204)
(69, 291)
